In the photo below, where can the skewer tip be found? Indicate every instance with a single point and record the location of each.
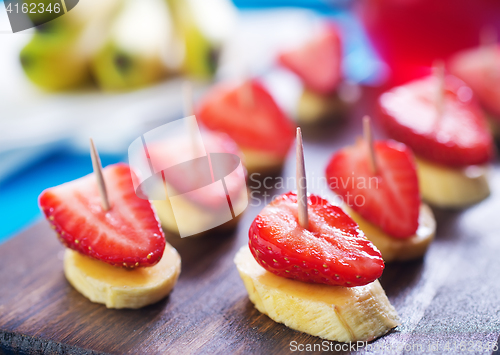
(187, 98)
(245, 93)
(368, 137)
(301, 182)
(101, 184)
(440, 72)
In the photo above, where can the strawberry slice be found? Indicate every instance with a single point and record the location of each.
(318, 62)
(202, 172)
(480, 69)
(128, 234)
(249, 115)
(333, 250)
(458, 137)
(390, 198)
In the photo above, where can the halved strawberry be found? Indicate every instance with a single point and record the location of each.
(128, 234)
(202, 172)
(332, 250)
(480, 69)
(254, 122)
(458, 137)
(390, 198)
(318, 62)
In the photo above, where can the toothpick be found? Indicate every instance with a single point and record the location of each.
(301, 182)
(439, 70)
(367, 133)
(101, 184)
(187, 98)
(245, 93)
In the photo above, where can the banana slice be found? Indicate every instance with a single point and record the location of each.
(397, 249)
(313, 108)
(192, 217)
(494, 123)
(446, 187)
(119, 287)
(258, 162)
(336, 313)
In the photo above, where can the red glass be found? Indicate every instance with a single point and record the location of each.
(410, 34)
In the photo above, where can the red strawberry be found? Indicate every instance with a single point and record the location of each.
(318, 62)
(390, 198)
(457, 138)
(200, 173)
(333, 250)
(254, 122)
(128, 234)
(480, 69)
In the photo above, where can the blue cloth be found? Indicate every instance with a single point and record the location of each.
(19, 194)
(322, 6)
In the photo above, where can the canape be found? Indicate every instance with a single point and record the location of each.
(320, 280)
(443, 125)
(480, 69)
(309, 266)
(209, 193)
(251, 117)
(318, 64)
(116, 255)
(378, 185)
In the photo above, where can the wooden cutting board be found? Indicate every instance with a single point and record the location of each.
(448, 302)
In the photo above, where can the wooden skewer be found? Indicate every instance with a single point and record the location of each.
(301, 182)
(440, 74)
(101, 184)
(367, 133)
(187, 98)
(245, 93)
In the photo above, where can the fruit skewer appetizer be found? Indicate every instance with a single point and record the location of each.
(196, 213)
(250, 116)
(318, 64)
(196, 204)
(309, 266)
(379, 187)
(439, 120)
(480, 69)
(116, 251)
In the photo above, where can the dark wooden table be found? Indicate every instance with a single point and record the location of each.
(449, 302)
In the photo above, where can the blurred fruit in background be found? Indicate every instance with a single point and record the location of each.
(140, 36)
(248, 114)
(411, 34)
(203, 26)
(318, 63)
(480, 68)
(127, 44)
(57, 57)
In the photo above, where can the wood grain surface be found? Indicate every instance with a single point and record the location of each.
(449, 302)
